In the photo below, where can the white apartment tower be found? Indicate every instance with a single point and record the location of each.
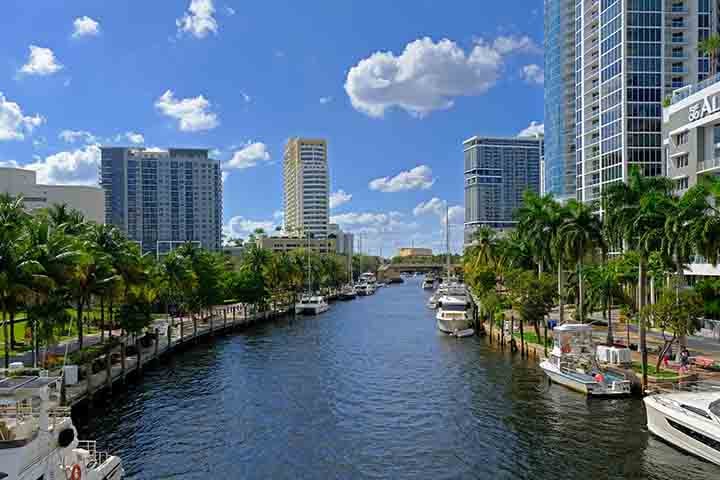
(629, 56)
(306, 187)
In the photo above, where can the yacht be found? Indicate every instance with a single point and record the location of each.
(428, 283)
(348, 292)
(311, 305)
(361, 290)
(689, 421)
(573, 363)
(39, 441)
(452, 315)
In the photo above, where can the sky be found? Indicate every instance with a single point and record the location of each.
(394, 87)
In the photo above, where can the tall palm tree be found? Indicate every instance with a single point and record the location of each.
(538, 220)
(635, 217)
(579, 235)
(711, 47)
(484, 247)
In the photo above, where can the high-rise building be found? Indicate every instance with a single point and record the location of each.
(558, 167)
(306, 187)
(497, 173)
(629, 55)
(163, 198)
(88, 200)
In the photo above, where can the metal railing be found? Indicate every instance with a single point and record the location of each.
(96, 457)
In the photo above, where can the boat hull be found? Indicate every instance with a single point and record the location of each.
(580, 383)
(452, 326)
(311, 309)
(658, 422)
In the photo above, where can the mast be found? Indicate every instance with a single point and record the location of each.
(447, 239)
(308, 265)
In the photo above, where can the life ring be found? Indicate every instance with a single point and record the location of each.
(76, 472)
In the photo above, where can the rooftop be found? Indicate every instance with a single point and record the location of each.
(683, 92)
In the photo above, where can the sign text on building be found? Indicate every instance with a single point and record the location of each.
(707, 106)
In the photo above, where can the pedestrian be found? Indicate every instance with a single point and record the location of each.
(684, 359)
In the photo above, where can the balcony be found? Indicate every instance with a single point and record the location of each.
(709, 166)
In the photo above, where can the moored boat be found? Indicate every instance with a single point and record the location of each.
(348, 292)
(39, 441)
(311, 305)
(452, 316)
(572, 363)
(689, 421)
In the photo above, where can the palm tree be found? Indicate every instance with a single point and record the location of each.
(484, 247)
(538, 220)
(635, 217)
(579, 234)
(711, 47)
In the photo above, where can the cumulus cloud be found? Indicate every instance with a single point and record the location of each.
(242, 227)
(435, 206)
(199, 20)
(428, 75)
(72, 136)
(193, 114)
(13, 123)
(370, 223)
(419, 177)
(249, 155)
(85, 27)
(41, 61)
(325, 100)
(511, 44)
(9, 164)
(341, 197)
(77, 167)
(533, 73)
(132, 137)
(533, 130)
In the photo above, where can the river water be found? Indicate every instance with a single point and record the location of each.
(370, 390)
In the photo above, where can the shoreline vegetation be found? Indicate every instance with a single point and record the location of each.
(624, 252)
(63, 278)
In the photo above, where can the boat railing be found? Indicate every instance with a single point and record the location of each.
(96, 457)
(23, 410)
(696, 386)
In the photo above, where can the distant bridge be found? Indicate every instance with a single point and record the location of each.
(393, 270)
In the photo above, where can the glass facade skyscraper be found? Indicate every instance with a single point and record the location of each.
(163, 198)
(559, 162)
(629, 56)
(497, 173)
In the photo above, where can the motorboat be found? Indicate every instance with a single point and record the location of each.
(452, 315)
(689, 421)
(361, 290)
(371, 288)
(428, 283)
(432, 302)
(38, 439)
(348, 292)
(573, 363)
(311, 305)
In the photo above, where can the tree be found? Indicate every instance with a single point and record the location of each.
(579, 234)
(710, 47)
(531, 296)
(635, 217)
(603, 282)
(679, 315)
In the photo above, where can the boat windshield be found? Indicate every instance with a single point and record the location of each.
(715, 408)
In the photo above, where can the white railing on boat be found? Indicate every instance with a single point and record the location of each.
(697, 386)
(96, 457)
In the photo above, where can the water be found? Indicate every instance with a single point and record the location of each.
(371, 390)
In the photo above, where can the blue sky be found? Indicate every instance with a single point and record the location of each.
(395, 87)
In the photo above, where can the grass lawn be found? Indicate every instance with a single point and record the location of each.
(531, 337)
(20, 326)
(667, 373)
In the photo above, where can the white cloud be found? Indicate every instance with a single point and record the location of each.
(224, 175)
(279, 215)
(242, 227)
(85, 27)
(10, 164)
(230, 11)
(419, 177)
(533, 73)
(339, 198)
(193, 114)
(368, 223)
(428, 76)
(325, 100)
(13, 124)
(198, 20)
(533, 130)
(77, 167)
(435, 206)
(136, 138)
(41, 61)
(72, 136)
(250, 155)
(246, 97)
(510, 44)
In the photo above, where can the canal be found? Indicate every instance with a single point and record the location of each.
(370, 390)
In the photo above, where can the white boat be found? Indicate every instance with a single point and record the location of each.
(39, 440)
(432, 302)
(452, 316)
(468, 332)
(573, 363)
(361, 289)
(311, 305)
(348, 292)
(689, 421)
(428, 283)
(371, 288)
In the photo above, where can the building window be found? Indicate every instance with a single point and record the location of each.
(682, 138)
(682, 161)
(682, 183)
